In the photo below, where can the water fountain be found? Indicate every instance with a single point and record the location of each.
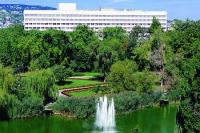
(105, 115)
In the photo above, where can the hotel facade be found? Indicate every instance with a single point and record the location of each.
(67, 17)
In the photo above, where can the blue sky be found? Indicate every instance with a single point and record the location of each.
(177, 9)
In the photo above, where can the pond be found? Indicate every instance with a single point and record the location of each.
(149, 120)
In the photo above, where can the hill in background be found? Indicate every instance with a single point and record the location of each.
(13, 13)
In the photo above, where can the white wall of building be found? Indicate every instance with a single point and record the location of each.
(67, 18)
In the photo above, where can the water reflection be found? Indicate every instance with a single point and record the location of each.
(150, 120)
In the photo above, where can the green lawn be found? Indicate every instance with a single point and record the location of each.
(83, 93)
(72, 83)
(93, 74)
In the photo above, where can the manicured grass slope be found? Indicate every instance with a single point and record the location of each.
(73, 83)
(83, 93)
(93, 74)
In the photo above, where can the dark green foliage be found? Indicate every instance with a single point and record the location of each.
(83, 49)
(9, 38)
(41, 82)
(124, 102)
(25, 96)
(11, 107)
(33, 50)
(8, 106)
(120, 76)
(188, 118)
(184, 41)
(127, 102)
(149, 99)
(173, 57)
(30, 106)
(80, 50)
(136, 37)
(173, 95)
(124, 75)
(80, 107)
(114, 32)
(112, 49)
(61, 73)
(155, 25)
(105, 60)
(101, 90)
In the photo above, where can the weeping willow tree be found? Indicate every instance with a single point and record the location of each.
(25, 95)
(8, 101)
(38, 88)
(6, 78)
(41, 82)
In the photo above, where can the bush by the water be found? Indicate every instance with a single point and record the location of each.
(82, 107)
(129, 101)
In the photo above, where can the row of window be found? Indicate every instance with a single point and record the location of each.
(92, 26)
(89, 24)
(66, 28)
(53, 19)
(87, 15)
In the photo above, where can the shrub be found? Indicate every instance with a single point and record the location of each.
(148, 99)
(30, 106)
(83, 107)
(126, 102)
(80, 107)
(8, 105)
(173, 95)
(61, 73)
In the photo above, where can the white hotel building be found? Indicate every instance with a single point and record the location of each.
(67, 17)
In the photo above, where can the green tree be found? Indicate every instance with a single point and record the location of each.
(114, 32)
(145, 82)
(120, 76)
(61, 73)
(105, 60)
(84, 47)
(136, 37)
(155, 25)
(112, 48)
(184, 41)
(124, 75)
(6, 78)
